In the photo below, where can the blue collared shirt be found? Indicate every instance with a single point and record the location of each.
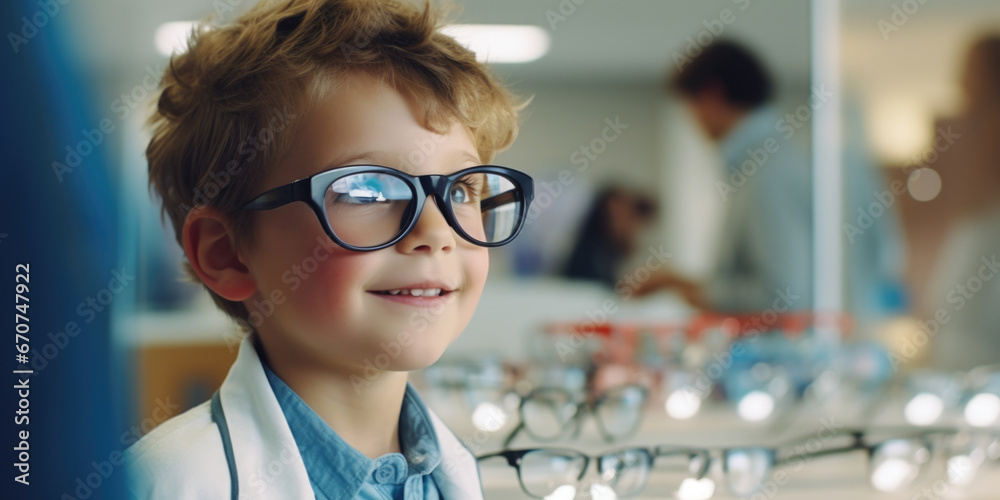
(765, 254)
(336, 470)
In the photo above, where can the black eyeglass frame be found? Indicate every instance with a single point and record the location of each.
(516, 457)
(775, 458)
(312, 191)
(582, 408)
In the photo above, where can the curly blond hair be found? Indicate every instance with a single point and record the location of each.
(227, 105)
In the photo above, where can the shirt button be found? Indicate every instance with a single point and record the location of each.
(385, 474)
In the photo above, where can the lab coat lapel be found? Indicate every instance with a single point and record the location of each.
(457, 477)
(268, 462)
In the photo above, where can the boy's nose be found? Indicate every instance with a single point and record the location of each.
(431, 233)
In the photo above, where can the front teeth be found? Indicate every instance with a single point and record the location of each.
(417, 292)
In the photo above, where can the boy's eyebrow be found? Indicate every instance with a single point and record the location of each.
(466, 156)
(379, 158)
(368, 157)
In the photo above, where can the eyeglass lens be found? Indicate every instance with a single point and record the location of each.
(625, 471)
(895, 463)
(547, 413)
(554, 474)
(680, 474)
(747, 469)
(620, 410)
(551, 473)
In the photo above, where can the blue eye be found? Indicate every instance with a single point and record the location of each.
(466, 189)
(459, 194)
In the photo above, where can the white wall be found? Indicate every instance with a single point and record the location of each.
(563, 118)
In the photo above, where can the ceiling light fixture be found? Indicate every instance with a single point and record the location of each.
(501, 43)
(172, 38)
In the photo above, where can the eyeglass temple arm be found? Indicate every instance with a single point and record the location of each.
(279, 196)
(512, 456)
(498, 200)
(857, 444)
(855, 433)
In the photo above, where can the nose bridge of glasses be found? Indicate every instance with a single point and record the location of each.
(576, 422)
(584, 467)
(698, 460)
(433, 185)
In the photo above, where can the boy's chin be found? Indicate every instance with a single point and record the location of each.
(416, 359)
(404, 356)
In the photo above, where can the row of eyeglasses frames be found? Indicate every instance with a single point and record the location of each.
(896, 458)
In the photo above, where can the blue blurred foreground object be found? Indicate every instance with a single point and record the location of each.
(64, 439)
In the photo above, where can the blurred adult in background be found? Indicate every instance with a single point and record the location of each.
(551, 227)
(965, 283)
(765, 250)
(608, 235)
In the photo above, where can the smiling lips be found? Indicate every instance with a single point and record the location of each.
(417, 293)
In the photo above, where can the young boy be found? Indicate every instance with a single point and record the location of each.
(323, 158)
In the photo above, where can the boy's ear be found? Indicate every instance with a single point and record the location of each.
(209, 244)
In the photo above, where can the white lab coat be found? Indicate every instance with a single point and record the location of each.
(184, 457)
(968, 337)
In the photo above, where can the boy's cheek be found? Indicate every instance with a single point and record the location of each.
(476, 274)
(288, 248)
(336, 279)
(314, 285)
(479, 270)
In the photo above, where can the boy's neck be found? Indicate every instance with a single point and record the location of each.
(367, 419)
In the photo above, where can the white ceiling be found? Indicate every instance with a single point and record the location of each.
(901, 83)
(602, 41)
(612, 41)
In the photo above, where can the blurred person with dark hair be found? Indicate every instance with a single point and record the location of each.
(965, 282)
(765, 250)
(608, 235)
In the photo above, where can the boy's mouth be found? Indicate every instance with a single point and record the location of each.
(415, 292)
(428, 289)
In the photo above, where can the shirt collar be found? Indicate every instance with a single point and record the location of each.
(417, 437)
(751, 132)
(333, 465)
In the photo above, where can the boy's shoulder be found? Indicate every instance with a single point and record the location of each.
(181, 458)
